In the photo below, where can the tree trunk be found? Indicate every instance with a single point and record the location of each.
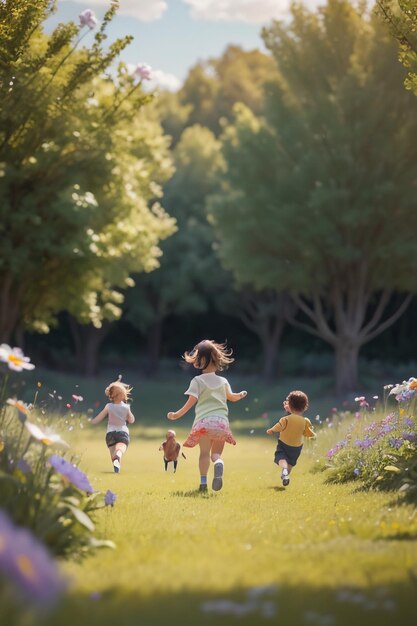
(270, 349)
(9, 308)
(88, 340)
(347, 358)
(265, 314)
(154, 347)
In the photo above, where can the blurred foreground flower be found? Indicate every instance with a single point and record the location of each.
(143, 71)
(49, 439)
(109, 498)
(22, 407)
(26, 564)
(88, 18)
(15, 358)
(71, 472)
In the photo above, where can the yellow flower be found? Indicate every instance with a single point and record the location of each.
(413, 384)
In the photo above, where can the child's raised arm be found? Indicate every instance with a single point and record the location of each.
(174, 415)
(235, 397)
(278, 427)
(130, 417)
(100, 416)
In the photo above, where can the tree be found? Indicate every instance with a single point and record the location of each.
(318, 198)
(213, 87)
(190, 271)
(81, 168)
(401, 15)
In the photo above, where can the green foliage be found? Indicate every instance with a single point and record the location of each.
(190, 272)
(401, 15)
(213, 87)
(317, 197)
(81, 167)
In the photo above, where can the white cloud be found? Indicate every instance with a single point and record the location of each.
(159, 78)
(165, 81)
(144, 10)
(242, 10)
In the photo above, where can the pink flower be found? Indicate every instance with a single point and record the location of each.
(88, 18)
(77, 398)
(143, 71)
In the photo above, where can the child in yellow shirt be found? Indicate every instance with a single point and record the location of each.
(292, 428)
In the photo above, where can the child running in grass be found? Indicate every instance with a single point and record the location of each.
(119, 415)
(291, 430)
(209, 393)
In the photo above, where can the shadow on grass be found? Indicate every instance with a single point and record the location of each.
(193, 493)
(273, 603)
(276, 488)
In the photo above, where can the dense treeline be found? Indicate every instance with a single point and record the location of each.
(286, 178)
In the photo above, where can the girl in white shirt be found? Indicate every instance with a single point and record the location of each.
(209, 393)
(119, 415)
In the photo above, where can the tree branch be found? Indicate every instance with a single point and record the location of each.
(388, 322)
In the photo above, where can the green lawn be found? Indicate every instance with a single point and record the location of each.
(327, 554)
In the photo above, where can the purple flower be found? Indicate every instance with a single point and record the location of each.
(396, 443)
(109, 498)
(356, 471)
(26, 564)
(403, 396)
(409, 436)
(71, 472)
(24, 466)
(143, 71)
(408, 422)
(337, 447)
(88, 18)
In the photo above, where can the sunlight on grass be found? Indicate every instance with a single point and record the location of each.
(174, 545)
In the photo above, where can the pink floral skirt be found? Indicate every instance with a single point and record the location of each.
(213, 427)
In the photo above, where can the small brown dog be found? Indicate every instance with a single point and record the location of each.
(171, 450)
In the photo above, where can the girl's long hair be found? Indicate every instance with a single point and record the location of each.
(207, 352)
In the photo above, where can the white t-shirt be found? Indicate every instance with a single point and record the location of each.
(117, 416)
(211, 393)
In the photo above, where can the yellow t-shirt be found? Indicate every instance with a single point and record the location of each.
(293, 428)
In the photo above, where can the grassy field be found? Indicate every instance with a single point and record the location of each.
(253, 553)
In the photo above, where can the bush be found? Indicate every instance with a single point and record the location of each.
(380, 453)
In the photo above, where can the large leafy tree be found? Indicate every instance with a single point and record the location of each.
(318, 199)
(81, 169)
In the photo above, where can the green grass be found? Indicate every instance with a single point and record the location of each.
(330, 555)
(333, 554)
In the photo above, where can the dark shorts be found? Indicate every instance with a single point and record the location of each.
(287, 453)
(117, 436)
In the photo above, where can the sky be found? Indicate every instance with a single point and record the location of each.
(172, 35)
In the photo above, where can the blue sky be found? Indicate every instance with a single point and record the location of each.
(172, 35)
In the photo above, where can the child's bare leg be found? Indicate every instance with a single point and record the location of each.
(204, 461)
(216, 450)
(112, 450)
(120, 450)
(290, 468)
(216, 453)
(284, 465)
